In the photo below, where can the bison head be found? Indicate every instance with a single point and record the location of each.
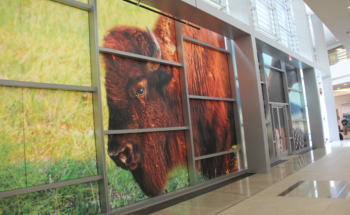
(143, 95)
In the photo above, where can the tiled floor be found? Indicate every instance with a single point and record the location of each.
(258, 194)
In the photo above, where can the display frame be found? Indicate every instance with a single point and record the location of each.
(287, 106)
(100, 133)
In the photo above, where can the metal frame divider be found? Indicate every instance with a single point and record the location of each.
(137, 56)
(268, 117)
(32, 189)
(37, 85)
(236, 105)
(97, 106)
(76, 4)
(288, 116)
(186, 105)
(144, 130)
(200, 43)
(304, 115)
(212, 98)
(301, 73)
(273, 133)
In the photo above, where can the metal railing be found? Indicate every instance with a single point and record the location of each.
(338, 55)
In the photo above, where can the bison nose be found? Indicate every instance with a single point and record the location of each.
(124, 158)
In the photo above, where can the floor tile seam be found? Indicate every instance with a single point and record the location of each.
(329, 205)
(246, 198)
(308, 165)
(232, 205)
(295, 173)
(281, 179)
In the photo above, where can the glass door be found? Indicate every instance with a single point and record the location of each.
(280, 131)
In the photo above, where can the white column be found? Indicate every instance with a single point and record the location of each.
(257, 152)
(314, 107)
(330, 108)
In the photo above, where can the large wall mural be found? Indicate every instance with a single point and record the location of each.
(138, 95)
(148, 95)
(48, 135)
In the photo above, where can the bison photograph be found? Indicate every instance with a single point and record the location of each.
(142, 94)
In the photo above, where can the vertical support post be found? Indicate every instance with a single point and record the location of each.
(273, 132)
(186, 105)
(300, 77)
(314, 104)
(97, 107)
(268, 117)
(287, 115)
(252, 105)
(330, 108)
(236, 105)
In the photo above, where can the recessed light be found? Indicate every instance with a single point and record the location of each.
(349, 7)
(345, 84)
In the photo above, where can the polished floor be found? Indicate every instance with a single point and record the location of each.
(316, 182)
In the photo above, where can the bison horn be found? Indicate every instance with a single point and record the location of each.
(157, 53)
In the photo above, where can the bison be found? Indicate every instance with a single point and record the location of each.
(148, 95)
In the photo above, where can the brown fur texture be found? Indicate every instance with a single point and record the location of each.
(152, 156)
(212, 121)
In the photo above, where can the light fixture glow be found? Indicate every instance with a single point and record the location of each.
(345, 84)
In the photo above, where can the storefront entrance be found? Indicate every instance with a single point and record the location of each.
(279, 146)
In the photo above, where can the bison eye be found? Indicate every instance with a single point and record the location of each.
(140, 91)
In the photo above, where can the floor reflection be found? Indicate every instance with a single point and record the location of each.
(319, 189)
(227, 196)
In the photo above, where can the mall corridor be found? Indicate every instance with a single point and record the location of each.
(316, 182)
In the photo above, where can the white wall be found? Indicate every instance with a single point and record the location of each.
(301, 23)
(340, 70)
(320, 40)
(239, 10)
(330, 109)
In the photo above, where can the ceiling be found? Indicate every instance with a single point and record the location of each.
(331, 40)
(335, 15)
(341, 89)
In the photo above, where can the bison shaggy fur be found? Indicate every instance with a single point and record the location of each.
(139, 97)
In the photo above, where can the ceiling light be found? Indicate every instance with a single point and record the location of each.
(349, 7)
(339, 49)
(345, 84)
